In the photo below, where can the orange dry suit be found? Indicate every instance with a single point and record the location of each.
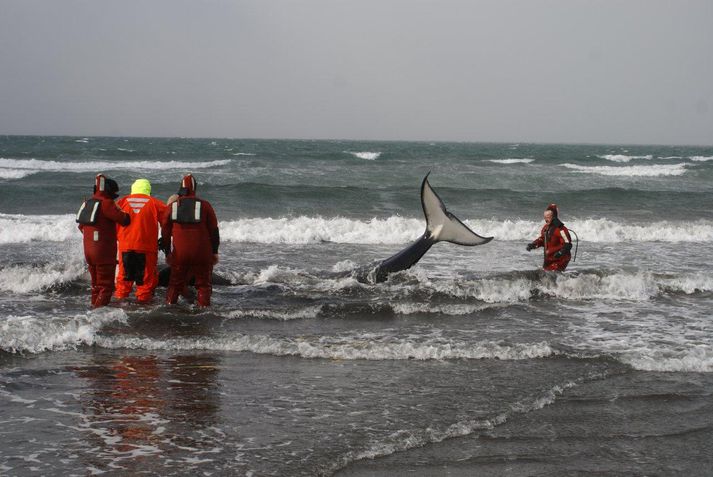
(138, 243)
(191, 238)
(98, 218)
(555, 238)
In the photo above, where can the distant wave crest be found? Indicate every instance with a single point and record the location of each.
(512, 161)
(369, 156)
(37, 165)
(656, 170)
(623, 157)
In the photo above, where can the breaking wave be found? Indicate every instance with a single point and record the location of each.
(657, 170)
(33, 278)
(17, 228)
(28, 334)
(399, 230)
(696, 359)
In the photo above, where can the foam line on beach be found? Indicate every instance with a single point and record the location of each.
(347, 347)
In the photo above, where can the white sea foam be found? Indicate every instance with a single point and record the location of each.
(474, 295)
(694, 359)
(347, 347)
(623, 158)
(244, 154)
(511, 161)
(17, 228)
(302, 230)
(37, 165)
(657, 170)
(642, 286)
(30, 278)
(702, 158)
(602, 230)
(33, 334)
(15, 173)
(344, 266)
(399, 230)
(369, 156)
(440, 309)
(279, 314)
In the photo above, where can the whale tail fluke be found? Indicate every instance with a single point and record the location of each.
(441, 226)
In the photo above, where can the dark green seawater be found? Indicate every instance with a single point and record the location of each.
(473, 362)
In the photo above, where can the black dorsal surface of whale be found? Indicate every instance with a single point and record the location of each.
(441, 226)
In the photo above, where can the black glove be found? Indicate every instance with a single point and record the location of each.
(530, 246)
(561, 252)
(162, 247)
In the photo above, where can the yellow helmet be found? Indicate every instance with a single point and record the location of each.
(141, 186)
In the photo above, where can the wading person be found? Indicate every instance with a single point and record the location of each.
(98, 218)
(138, 243)
(555, 239)
(191, 239)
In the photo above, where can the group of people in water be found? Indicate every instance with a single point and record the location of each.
(128, 229)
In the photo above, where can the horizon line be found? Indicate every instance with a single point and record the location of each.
(451, 141)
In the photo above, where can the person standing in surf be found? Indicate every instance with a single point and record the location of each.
(555, 239)
(138, 243)
(98, 218)
(190, 237)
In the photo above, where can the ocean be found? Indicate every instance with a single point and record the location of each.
(473, 362)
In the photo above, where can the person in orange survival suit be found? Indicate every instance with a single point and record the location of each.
(191, 227)
(555, 238)
(98, 218)
(138, 243)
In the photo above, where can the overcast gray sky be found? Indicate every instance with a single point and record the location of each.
(637, 71)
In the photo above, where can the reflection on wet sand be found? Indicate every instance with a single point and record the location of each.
(148, 413)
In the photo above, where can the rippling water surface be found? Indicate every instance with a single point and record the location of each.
(472, 362)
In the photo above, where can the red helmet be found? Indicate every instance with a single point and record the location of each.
(553, 208)
(188, 185)
(106, 186)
